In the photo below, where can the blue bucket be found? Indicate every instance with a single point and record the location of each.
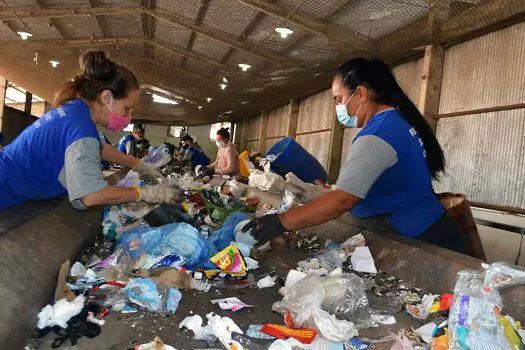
(292, 157)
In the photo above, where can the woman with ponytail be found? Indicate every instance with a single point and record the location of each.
(62, 151)
(386, 181)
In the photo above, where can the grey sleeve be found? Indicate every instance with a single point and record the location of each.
(130, 147)
(369, 157)
(82, 173)
(187, 155)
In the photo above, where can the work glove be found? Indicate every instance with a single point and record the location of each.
(159, 194)
(265, 228)
(147, 171)
(208, 171)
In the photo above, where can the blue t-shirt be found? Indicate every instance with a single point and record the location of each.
(121, 146)
(30, 166)
(387, 168)
(198, 157)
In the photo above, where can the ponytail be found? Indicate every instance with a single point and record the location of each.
(98, 74)
(376, 76)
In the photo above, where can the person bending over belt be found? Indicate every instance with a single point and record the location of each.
(62, 150)
(386, 180)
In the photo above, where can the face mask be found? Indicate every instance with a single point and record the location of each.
(116, 122)
(185, 146)
(220, 144)
(349, 121)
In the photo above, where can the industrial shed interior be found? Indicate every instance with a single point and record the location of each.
(203, 64)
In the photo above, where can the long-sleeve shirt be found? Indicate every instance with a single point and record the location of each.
(227, 162)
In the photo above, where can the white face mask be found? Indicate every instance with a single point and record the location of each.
(220, 144)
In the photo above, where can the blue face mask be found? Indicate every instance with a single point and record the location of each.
(349, 121)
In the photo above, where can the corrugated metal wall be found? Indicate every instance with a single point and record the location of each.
(485, 151)
(277, 125)
(316, 113)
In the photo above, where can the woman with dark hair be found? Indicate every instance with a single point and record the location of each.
(386, 180)
(227, 162)
(62, 151)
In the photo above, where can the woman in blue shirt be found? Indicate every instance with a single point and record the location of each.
(62, 151)
(386, 180)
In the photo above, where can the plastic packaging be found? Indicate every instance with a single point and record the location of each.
(236, 188)
(230, 260)
(144, 292)
(269, 182)
(327, 304)
(303, 191)
(158, 158)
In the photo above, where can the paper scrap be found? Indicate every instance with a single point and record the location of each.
(362, 260)
(386, 320)
(232, 303)
(266, 282)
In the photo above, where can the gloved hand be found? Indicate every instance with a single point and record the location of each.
(208, 171)
(159, 194)
(265, 228)
(147, 171)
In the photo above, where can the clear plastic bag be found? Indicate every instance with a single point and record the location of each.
(158, 158)
(144, 292)
(328, 304)
(499, 275)
(269, 182)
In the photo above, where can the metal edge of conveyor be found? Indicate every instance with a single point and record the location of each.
(30, 258)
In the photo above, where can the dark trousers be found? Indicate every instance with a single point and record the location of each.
(444, 233)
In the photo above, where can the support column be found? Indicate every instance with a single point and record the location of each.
(244, 135)
(3, 87)
(27, 107)
(336, 149)
(293, 116)
(263, 131)
(431, 83)
(237, 136)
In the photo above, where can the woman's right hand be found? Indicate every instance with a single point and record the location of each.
(159, 194)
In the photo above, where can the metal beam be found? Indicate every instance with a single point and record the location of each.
(217, 35)
(80, 42)
(328, 30)
(6, 15)
(205, 5)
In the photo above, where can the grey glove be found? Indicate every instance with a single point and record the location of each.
(160, 194)
(148, 171)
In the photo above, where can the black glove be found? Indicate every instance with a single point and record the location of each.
(265, 228)
(208, 171)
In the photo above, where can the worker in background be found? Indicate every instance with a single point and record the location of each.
(141, 148)
(386, 180)
(227, 162)
(128, 143)
(193, 154)
(62, 150)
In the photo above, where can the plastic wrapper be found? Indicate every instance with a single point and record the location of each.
(303, 191)
(288, 201)
(269, 182)
(116, 266)
(132, 178)
(222, 237)
(144, 292)
(473, 320)
(237, 188)
(230, 260)
(328, 304)
(158, 158)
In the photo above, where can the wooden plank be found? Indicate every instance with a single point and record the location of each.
(336, 150)
(431, 83)
(244, 135)
(293, 117)
(263, 129)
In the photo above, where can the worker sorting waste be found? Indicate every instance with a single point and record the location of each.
(62, 151)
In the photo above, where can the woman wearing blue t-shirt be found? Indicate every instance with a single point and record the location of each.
(386, 180)
(62, 152)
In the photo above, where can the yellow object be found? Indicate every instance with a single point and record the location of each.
(441, 342)
(139, 192)
(511, 334)
(243, 158)
(435, 306)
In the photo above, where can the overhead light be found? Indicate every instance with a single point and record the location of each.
(24, 35)
(200, 107)
(223, 86)
(162, 99)
(224, 80)
(209, 99)
(284, 32)
(244, 66)
(54, 64)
